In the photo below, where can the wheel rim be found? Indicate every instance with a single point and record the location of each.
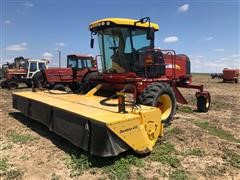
(165, 104)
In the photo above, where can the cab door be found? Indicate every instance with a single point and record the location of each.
(32, 69)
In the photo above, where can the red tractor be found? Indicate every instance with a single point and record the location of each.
(21, 71)
(69, 78)
(129, 63)
(230, 75)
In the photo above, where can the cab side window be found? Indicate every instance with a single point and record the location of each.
(42, 66)
(33, 66)
(80, 64)
(72, 63)
(89, 63)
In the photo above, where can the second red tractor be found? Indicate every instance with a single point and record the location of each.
(69, 78)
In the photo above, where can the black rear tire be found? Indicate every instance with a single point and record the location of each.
(87, 85)
(12, 85)
(203, 104)
(59, 87)
(160, 95)
(38, 80)
(29, 84)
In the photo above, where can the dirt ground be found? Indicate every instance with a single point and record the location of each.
(195, 146)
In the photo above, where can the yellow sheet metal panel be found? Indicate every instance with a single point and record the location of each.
(141, 133)
(122, 21)
(83, 105)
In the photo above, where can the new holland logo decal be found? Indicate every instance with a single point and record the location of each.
(170, 66)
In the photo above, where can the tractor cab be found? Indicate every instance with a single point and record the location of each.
(127, 45)
(34, 66)
(80, 61)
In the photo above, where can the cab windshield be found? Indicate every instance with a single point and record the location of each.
(119, 47)
(79, 63)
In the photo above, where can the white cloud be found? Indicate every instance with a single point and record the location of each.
(183, 8)
(207, 65)
(214, 64)
(208, 38)
(199, 56)
(235, 55)
(7, 21)
(17, 47)
(224, 59)
(47, 55)
(61, 44)
(28, 4)
(171, 39)
(219, 49)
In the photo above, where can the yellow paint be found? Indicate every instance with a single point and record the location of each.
(139, 128)
(165, 106)
(177, 66)
(93, 91)
(122, 21)
(140, 133)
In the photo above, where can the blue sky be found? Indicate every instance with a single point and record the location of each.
(206, 31)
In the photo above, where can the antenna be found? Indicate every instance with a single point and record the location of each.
(141, 13)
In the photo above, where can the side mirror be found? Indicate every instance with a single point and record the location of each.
(92, 43)
(150, 34)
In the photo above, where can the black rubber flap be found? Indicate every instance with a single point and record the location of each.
(40, 112)
(21, 104)
(104, 142)
(72, 127)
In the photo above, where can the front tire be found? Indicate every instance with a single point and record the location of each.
(203, 103)
(160, 95)
(12, 85)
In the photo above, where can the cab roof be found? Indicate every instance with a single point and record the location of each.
(37, 60)
(121, 21)
(81, 56)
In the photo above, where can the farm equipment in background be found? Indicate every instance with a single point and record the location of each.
(216, 75)
(106, 124)
(230, 75)
(21, 71)
(69, 78)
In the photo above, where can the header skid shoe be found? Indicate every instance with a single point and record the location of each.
(100, 130)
